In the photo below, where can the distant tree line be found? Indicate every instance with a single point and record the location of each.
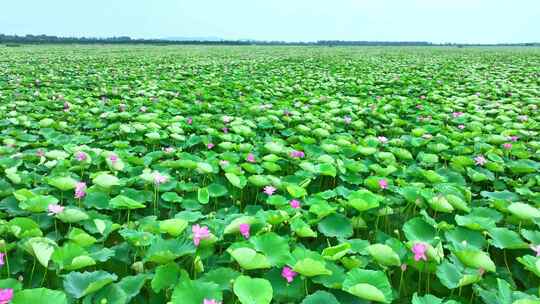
(13, 40)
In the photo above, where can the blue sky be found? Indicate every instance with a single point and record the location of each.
(466, 21)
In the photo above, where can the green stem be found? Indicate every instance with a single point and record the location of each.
(400, 282)
(32, 273)
(419, 279)
(506, 261)
(44, 276)
(7, 261)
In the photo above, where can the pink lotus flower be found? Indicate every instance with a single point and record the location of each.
(422, 97)
(457, 114)
(211, 301)
(295, 204)
(225, 130)
(507, 146)
(297, 154)
(6, 295)
(244, 230)
(113, 158)
(80, 190)
(143, 109)
(419, 250)
(223, 163)
(269, 190)
(480, 160)
(159, 178)
(40, 153)
(461, 127)
(210, 145)
(2, 255)
(536, 249)
(168, 150)
(513, 138)
(382, 139)
(80, 156)
(250, 158)
(288, 274)
(189, 120)
(383, 184)
(55, 209)
(347, 119)
(286, 113)
(199, 233)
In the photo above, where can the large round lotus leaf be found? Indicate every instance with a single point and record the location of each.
(174, 227)
(524, 211)
(363, 200)
(106, 180)
(384, 255)
(234, 226)
(310, 267)
(124, 202)
(427, 299)
(275, 247)
(63, 183)
(39, 295)
(235, 180)
(476, 259)
(336, 225)
(80, 284)
(195, 292)
(320, 297)
(250, 259)
(368, 285)
(252, 291)
(72, 215)
(417, 229)
(336, 252)
(505, 238)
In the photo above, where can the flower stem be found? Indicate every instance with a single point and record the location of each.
(44, 276)
(7, 261)
(32, 273)
(400, 282)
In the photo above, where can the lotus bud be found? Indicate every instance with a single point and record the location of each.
(358, 222)
(198, 265)
(138, 267)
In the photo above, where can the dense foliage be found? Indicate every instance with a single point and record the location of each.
(199, 175)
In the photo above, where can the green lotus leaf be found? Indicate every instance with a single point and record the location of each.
(368, 285)
(384, 255)
(253, 291)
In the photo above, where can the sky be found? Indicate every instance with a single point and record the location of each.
(438, 21)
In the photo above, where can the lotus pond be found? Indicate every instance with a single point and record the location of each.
(256, 175)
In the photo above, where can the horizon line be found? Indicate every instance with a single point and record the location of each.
(210, 38)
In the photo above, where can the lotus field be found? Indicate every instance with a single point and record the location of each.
(256, 175)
